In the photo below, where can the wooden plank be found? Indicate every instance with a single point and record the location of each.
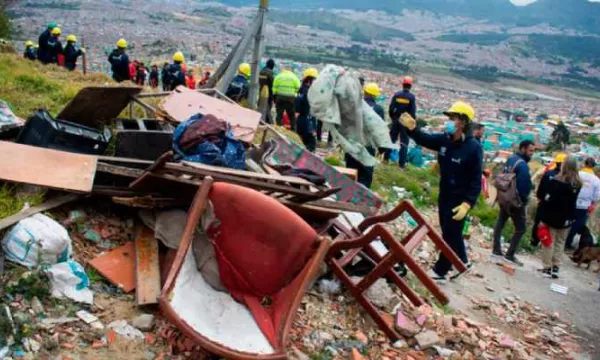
(147, 280)
(119, 170)
(45, 206)
(351, 173)
(48, 168)
(248, 174)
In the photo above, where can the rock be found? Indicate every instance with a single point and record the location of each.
(121, 327)
(490, 289)
(400, 344)
(555, 316)
(448, 322)
(50, 343)
(356, 355)
(331, 350)
(144, 322)
(36, 305)
(149, 355)
(507, 342)
(443, 352)
(381, 294)
(405, 326)
(427, 339)
(360, 336)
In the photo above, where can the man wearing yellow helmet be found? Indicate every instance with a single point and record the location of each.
(175, 72)
(306, 125)
(372, 92)
(119, 62)
(460, 160)
(30, 52)
(54, 47)
(239, 87)
(72, 53)
(43, 41)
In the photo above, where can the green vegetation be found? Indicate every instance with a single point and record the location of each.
(476, 39)
(593, 140)
(323, 20)
(11, 204)
(34, 284)
(214, 11)
(577, 48)
(5, 27)
(54, 4)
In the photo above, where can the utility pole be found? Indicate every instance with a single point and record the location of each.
(259, 49)
(84, 62)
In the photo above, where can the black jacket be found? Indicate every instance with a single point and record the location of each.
(53, 49)
(176, 76)
(71, 55)
(266, 78)
(402, 102)
(119, 62)
(43, 45)
(375, 106)
(461, 165)
(557, 202)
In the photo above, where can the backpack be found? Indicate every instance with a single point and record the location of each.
(506, 184)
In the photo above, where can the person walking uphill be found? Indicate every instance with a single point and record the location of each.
(266, 78)
(558, 198)
(460, 160)
(402, 102)
(307, 124)
(240, 86)
(514, 207)
(285, 89)
(586, 201)
(175, 72)
(72, 53)
(54, 47)
(29, 52)
(43, 41)
(119, 62)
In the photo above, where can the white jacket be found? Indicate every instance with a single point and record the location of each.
(590, 192)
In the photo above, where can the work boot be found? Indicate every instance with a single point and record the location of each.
(547, 272)
(459, 274)
(513, 260)
(497, 254)
(555, 271)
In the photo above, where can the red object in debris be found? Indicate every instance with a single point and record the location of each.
(118, 266)
(61, 60)
(285, 119)
(543, 233)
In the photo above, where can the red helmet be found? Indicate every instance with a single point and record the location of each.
(407, 80)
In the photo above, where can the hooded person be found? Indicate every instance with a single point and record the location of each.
(306, 123)
(460, 162)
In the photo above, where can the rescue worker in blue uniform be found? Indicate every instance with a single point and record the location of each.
(460, 159)
(402, 102)
(72, 53)
(306, 125)
(43, 41)
(175, 73)
(119, 62)
(372, 92)
(53, 47)
(29, 52)
(239, 87)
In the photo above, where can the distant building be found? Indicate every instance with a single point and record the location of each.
(512, 115)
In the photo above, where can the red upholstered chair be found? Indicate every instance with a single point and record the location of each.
(267, 257)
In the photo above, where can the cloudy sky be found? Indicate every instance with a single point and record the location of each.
(525, 2)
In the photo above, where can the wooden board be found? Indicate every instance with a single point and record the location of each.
(118, 266)
(351, 173)
(147, 274)
(45, 206)
(48, 168)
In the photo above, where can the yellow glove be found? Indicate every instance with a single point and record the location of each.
(461, 211)
(408, 122)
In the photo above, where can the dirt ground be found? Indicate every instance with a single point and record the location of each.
(579, 307)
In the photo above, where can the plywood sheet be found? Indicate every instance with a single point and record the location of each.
(147, 288)
(118, 266)
(183, 103)
(48, 168)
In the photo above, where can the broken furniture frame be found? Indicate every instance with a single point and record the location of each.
(353, 242)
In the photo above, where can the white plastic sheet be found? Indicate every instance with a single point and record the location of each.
(68, 279)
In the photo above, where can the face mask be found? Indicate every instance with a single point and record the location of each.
(450, 127)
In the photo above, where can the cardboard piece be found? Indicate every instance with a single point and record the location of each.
(118, 266)
(147, 269)
(48, 168)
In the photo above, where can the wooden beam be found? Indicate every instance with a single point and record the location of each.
(45, 206)
(147, 274)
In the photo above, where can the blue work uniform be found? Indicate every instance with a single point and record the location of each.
(306, 125)
(71, 55)
(375, 106)
(402, 102)
(176, 76)
(53, 49)
(461, 164)
(42, 45)
(119, 62)
(30, 53)
(238, 89)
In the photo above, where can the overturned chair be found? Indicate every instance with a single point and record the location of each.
(352, 242)
(267, 257)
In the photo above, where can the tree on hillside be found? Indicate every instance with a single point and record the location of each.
(5, 28)
(560, 137)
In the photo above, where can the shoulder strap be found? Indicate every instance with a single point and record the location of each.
(516, 164)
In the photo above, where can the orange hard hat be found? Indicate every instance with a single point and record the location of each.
(407, 80)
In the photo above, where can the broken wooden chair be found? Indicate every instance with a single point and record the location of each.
(267, 256)
(353, 242)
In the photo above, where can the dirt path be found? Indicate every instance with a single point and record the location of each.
(579, 307)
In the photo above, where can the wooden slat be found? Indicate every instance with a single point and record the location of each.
(147, 288)
(416, 239)
(48, 168)
(47, 205)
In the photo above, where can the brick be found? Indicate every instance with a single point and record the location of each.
(356, 355)
(360, 336)
(405, 326)
(427, 339)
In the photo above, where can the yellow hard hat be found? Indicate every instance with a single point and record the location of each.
(36, 46)
(311, 72)
(245, 69)
(178, 57)
(29, 43)
(461, 108)
(372, 89)
(560, 158)
(56, 31)
(122, 44)
(72, 38)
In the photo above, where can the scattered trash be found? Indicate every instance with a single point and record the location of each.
(332, 287)
(90, 319)
(118, 266)
(144, 322)
(69, 279)
(559, 289)
(122, 328)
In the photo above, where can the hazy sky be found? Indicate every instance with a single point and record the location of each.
(525, 2)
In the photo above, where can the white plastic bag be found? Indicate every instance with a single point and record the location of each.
(69, 279)
(36, 241)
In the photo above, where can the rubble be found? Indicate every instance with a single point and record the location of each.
(144, 322)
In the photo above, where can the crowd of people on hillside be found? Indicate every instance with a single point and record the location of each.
(50, 50)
